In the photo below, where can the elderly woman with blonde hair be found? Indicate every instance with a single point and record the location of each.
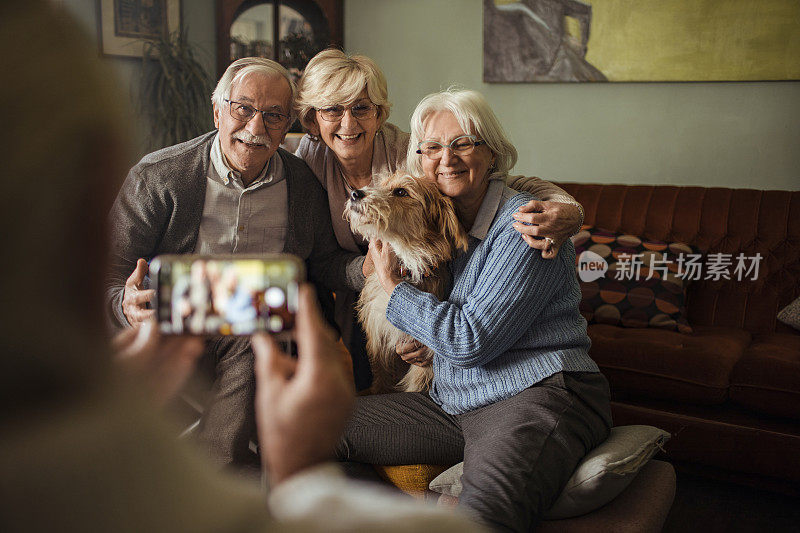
(343, 103)
(515, 393)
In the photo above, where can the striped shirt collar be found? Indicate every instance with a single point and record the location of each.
(488, 209)
(227, 173)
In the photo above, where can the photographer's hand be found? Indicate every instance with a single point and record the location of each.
(162, 363)
(301, 405)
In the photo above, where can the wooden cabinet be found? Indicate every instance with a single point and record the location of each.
(302, 27)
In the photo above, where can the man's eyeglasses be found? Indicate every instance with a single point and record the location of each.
(360, 111)
(273, 120)
(463, 145)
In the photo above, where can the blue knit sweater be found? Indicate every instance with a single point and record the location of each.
(511, 319)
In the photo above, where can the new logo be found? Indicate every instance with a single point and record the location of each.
(591, 266)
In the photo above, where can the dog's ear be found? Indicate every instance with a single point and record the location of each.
(451, 227)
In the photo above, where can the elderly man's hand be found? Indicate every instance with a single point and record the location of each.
(553, 223)
(301, 405)
(134, 298)
(162, 363)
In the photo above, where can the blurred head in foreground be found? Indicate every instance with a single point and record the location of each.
(78, 452)
(63, 136)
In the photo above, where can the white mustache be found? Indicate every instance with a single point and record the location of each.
(248, 137)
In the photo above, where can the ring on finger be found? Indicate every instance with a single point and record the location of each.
(550, 242)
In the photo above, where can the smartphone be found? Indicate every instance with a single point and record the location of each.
(226, 294)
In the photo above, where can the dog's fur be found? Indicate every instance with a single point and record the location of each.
(421, 226)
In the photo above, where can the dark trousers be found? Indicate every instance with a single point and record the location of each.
(362, 373)
(518, 453)
(228, 422)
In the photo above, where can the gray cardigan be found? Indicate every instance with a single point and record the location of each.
(159, 207)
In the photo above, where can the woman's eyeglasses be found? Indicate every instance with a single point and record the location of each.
(463, 145)
(360, 111)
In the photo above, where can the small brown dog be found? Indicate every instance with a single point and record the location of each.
(421, 226)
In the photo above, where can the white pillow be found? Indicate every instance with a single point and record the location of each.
(598, 478)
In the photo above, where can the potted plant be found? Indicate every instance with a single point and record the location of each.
(175, 91)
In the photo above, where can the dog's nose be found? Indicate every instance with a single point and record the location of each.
(357, 195)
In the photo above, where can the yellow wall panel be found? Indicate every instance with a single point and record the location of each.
(695, 40)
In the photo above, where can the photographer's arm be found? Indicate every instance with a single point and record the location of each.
(301, 408)
(302, 405)
(161, 363)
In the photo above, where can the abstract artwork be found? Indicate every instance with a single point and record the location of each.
(646, 40)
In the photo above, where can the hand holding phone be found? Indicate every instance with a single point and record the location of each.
(302, 404)
(161, 363)
(226, 295)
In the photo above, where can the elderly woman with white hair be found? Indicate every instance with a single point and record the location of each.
(342, 101)
(515, 393)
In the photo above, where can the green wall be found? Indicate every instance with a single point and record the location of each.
(709, 134)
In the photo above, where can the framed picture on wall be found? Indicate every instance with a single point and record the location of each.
(642, 41)
(125, 24)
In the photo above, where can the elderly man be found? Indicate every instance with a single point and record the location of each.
(228, 191)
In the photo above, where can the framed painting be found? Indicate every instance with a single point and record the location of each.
(125, 24)
(646, 40)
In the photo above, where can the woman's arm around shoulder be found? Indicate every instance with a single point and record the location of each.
(549, 221)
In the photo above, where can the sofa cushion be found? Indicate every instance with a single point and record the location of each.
(767, 378)
(643, 506)
(728, 437)
(790, 315)
(661, 364)
(412, 479)
(599, 477)
(717, 220)
(638, 284)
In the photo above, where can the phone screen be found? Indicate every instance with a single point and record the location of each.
(226, 295)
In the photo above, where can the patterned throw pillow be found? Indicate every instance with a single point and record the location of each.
(632, 282)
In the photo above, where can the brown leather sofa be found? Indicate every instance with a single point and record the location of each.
(730, 391)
